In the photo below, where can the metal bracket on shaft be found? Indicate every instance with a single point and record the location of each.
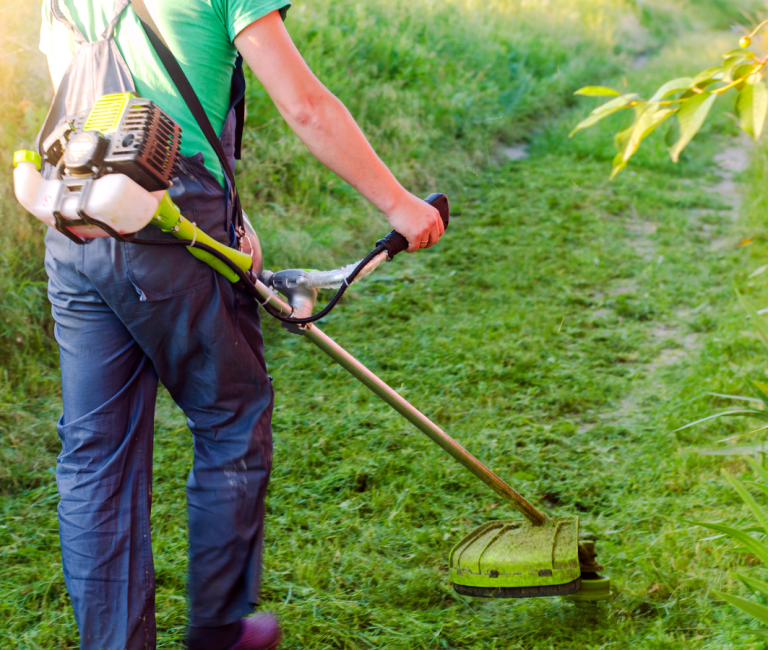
(299, 296)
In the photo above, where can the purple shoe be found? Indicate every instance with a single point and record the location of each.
(260, 632)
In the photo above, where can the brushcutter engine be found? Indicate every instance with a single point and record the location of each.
(107, 165)
(123, 134)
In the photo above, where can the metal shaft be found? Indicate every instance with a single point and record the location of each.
(409, 412)
(423, 423)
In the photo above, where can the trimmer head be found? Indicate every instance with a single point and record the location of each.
(594, 586)
(515, 559)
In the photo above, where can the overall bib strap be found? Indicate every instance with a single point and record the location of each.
(58, 14)
(120, 7)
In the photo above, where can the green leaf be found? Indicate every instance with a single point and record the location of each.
(746, 54)
(671, 87)
(621, 138)
(739, 450)
(649, 124)
(753, 609)
(752, 107)
(751, 583)
(752, 545)
(597, 91)
(618, 164)
(757, 320)
(646, 121)
(734, 59)
(670, 137)
(691, 118)
(759, 470)
(601, 112)
(746, 497)
(757, 632)
(742, 398)
(647, 118)
(743, 71)
(761, 390)
(642, 111)
(724, 414)
(763, 488)
(710, 75)
(611, 105)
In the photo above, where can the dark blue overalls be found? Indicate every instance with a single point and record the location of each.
(127, 316)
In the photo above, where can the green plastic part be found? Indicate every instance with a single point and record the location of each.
(24, 155)
(168, 218)
(107, 112)
(516, 554)
(593, 589)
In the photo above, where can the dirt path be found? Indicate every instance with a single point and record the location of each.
(678, 343)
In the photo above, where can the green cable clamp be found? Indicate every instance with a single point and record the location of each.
(168, 218)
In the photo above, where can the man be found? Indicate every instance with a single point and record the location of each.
(129, 315)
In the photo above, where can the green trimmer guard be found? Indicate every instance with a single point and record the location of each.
(516, 559)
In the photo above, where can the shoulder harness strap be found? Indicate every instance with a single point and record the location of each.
(193, 102)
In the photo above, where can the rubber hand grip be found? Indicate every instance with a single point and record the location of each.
(396, 243)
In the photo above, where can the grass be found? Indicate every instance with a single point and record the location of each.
(562, 330)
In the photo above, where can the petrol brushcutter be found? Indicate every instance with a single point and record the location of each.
(112, 169)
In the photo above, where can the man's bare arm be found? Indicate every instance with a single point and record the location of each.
(328, 130)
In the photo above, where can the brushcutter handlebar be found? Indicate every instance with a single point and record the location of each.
(301, 284)
(396, 243)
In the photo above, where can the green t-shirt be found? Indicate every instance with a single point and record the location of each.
(200, 33)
